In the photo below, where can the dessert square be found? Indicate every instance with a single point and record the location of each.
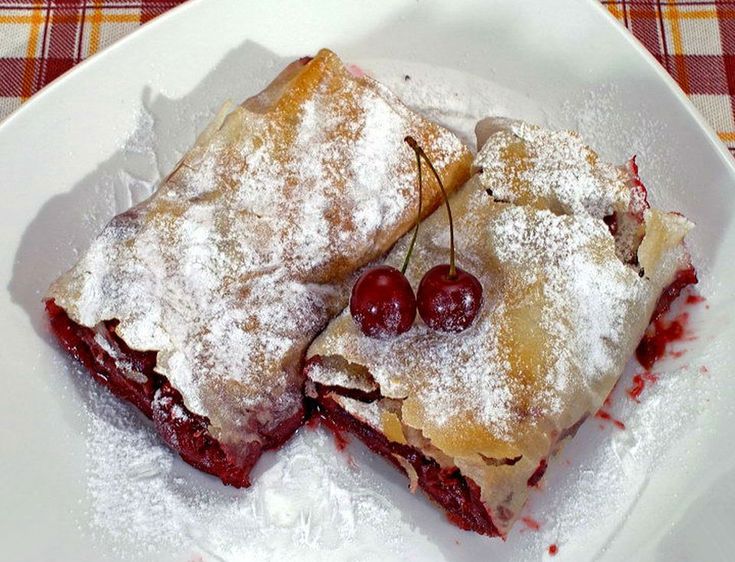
(198, 304)
(572, 261)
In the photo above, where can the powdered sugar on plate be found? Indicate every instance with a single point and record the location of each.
(309, 501)
(455, 99)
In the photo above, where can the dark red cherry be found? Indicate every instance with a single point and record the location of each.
(382, 302)
(448, 303)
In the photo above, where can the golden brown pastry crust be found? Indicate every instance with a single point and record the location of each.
(562, 314)
(246, 250)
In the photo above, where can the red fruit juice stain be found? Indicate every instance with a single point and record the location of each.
(340, 440)
(683, 279)
(351, 462)
(657, 337)
(553, 549)
(694, 298)
(603, 415)
(639, 384)
(660, 332)
(531, 523)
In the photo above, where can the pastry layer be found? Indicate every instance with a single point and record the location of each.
(566, 302)
(249, 247)
(153, 395)
(445, 484)
(456, 494)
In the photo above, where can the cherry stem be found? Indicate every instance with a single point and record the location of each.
(409, 140)
(420, 153)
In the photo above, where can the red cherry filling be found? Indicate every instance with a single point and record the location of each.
(448, 303)
(382, 302)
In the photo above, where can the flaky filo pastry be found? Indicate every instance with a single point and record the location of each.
(566, 302)
(244, 253)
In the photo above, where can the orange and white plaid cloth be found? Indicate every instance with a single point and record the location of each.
(693, 40)
(42, 39)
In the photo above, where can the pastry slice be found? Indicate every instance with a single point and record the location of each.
(474, 418)
(197, 305)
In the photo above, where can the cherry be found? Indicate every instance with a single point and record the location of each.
(446, 303)
(449, 298)
(382, 302)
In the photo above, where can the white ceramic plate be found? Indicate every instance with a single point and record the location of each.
(82, 477)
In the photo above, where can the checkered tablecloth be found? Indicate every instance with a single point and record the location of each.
(42, 39)
(693, 40)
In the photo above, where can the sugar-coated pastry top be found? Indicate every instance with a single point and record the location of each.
(562, 314)
(548, 169)
(247, 249)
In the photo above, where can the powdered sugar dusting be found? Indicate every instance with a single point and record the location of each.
(550, 169)
(562, 313)
(453, 375)
(417, 363)
(587, 301)
(600, 473)
(247, 249)
(368, 412)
